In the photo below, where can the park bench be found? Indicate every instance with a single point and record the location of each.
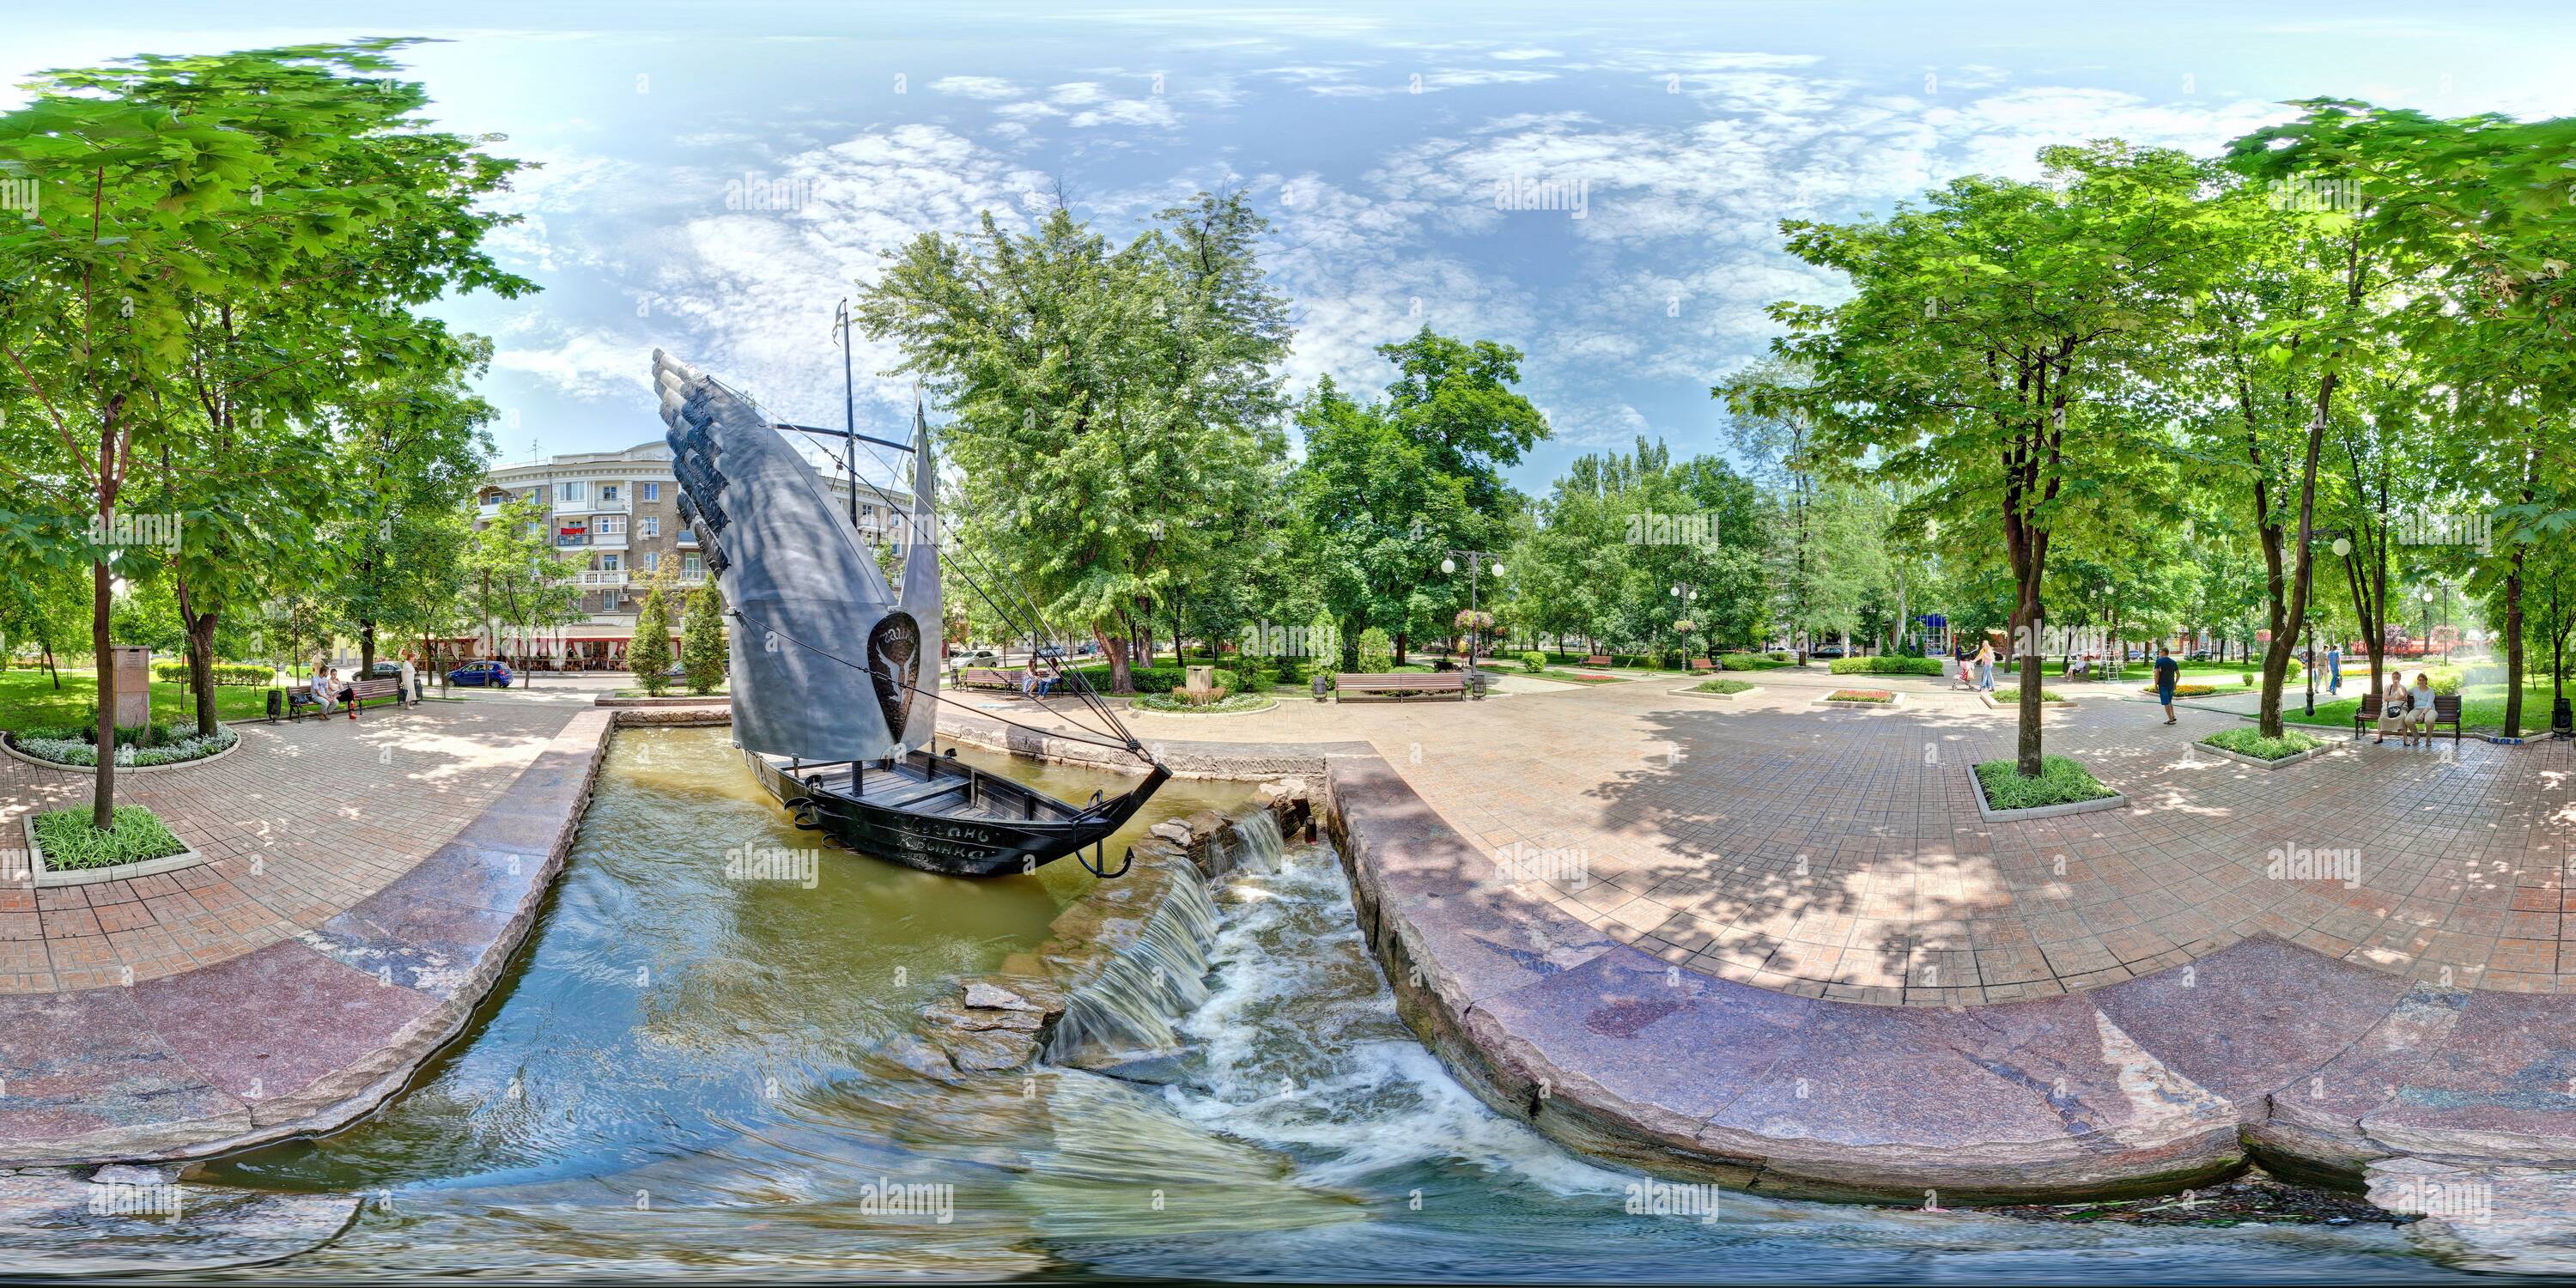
(1403, 685)
(300, 698)
(2365, 715)
(2446, 711)
(1597, 659)
(985, 677)
(1704, 664)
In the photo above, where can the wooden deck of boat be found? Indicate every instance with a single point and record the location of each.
(907, 787)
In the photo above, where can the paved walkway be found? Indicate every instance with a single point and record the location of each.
(303, 820)
(1839, 853)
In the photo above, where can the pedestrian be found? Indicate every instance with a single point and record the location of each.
(1986, 666)
(2168, 674)
(348, 691)
(407, 673)
(2334, 668)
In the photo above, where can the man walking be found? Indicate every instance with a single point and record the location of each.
(2334, 668)
(2168, 673)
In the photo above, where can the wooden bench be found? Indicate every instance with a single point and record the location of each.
(985, 677)
(2446, 711)
(300, 698)
(1704, 664)
(2365, 715)
(1597, 659)
(1403, 685)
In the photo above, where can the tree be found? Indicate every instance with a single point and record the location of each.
(648, 654)
(218, 243)
(515, 577)
(702, 641)
(1114, 412)
(1991, 344)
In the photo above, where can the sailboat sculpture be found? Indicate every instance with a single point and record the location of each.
(834, 678)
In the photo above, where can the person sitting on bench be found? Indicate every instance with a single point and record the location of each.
(2419, 710)
(2392, 709)
(322, 689)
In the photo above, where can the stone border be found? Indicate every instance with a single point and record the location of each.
(2323, 746)
(1730, 697)
(666, 700)
(349, 1010)
(8, 743)
(1990, 814)
(44, 880)
(1896, 698)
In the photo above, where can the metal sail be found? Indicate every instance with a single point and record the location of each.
(811, 608)
(921, 598)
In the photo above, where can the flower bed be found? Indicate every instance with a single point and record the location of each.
(2252, 744)
(1724, 688)
(69, 843)
(1230, 704)
(161, 745)
(2061, 781)
(2193, 690)
(1860, 695)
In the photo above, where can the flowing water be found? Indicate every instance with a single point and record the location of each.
(682, 1075)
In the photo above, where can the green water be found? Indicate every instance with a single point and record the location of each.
(680, 1078)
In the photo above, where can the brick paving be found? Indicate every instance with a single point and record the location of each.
(303, 820)
(1839, 853)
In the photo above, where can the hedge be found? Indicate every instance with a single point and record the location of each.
(236, 673)
(1886, 666)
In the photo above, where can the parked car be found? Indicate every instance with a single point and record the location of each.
(2200, 655)
(1055, 651)
(495, 674)
(385, 671)
(1826, 651)
(976, 657)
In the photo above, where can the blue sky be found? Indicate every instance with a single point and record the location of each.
(1376, 138)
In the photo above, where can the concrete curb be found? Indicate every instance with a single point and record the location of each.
(1723, 697)
(7, 744)
(45, 880)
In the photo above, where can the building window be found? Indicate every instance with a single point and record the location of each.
(652, 563)
(612, 525)
(652, 491)
(607, 563)
(689, 567)
(652, 528)
(571, 491)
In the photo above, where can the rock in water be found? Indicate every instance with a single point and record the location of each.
(2493, 1217)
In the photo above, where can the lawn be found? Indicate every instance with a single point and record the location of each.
(70, 842)
(2481, 707)
(28, 701)
(2009, 694)
(1579, 677)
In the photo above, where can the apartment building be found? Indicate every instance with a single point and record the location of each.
(617, 515)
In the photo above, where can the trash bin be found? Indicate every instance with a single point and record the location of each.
(274, 698)
(1323, 685)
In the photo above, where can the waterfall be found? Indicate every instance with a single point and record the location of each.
(1128, 1008)
(1253, 844)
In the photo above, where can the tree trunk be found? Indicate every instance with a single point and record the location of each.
(201, 660)
(51, 669)
(366, 649)
(2513, 645)
(102, 813)
(1399, 648)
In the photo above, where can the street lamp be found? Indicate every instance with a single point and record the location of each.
(1476, 560)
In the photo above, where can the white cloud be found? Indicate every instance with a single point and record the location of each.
(987, 87)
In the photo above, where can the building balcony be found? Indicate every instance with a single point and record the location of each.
(688, 539)
(608, 541)
(592, 505)
(595, 579)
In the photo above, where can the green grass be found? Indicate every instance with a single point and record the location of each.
(2010, 694)
(71, 843)
(2061, 781)
(1722, 685)
(28, 701)
(1582, 677)
(2249, 741)
(1860, 695)
(2481, 707)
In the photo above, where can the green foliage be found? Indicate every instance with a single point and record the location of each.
(1377, 652)
(2251, 742)
(1751, 661)
(648, 653)
(2011, 693)
(2060, 781)
(1886, 666)
(702, 641)
(235, 673)
(1533, 662)
(1223, 704)
(71, 844)
(1723, 685)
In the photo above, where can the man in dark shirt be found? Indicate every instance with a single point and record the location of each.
(2168, 673)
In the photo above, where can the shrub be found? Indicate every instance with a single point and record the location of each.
(2251, 742)
(1723, 686)
(1533, 662)
(1148, 679)
(1780, 655)
(2011, 693)
(235, 673)
(70, 842)
(2061, 781)
(1885, 666)
(1176, 702)
(136, 747)
(702, 641)
(1377, 652)
(1750, 661)
(648, 654)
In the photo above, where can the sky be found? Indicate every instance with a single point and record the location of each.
(1598, 185)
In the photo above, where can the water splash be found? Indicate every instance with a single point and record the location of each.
(1253, 844)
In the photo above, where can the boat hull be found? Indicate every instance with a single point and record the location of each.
(939, 814)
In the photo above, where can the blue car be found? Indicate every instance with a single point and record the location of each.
(496, 674)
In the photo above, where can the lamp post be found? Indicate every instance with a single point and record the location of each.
(1682, 597)
(1476, 560)
(2343, 549)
